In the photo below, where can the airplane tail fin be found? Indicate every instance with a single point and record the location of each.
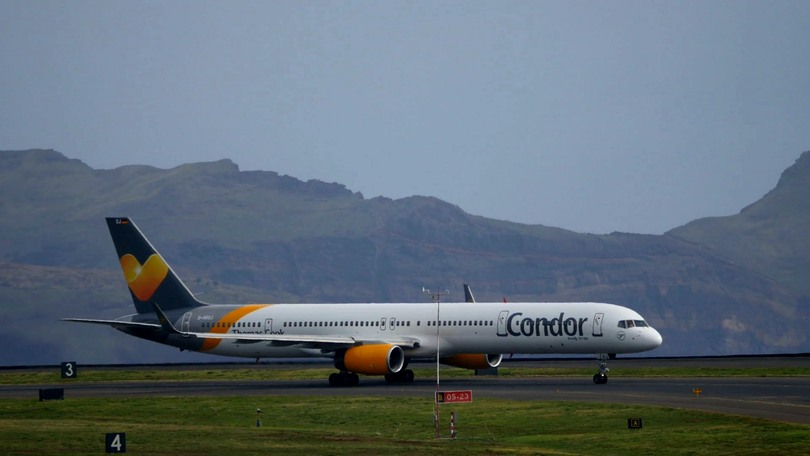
(468, 296)
(149, 277)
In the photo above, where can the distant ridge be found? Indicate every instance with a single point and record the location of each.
(725, 285)
(770, 236)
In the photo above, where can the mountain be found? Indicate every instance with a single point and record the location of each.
(258, 236)
(771, 236)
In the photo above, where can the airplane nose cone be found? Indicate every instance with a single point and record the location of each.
(656, 339)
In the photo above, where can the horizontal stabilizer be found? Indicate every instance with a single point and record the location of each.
(164, 320)
(129, 324)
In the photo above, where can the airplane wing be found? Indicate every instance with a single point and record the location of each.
(313, 341)
(129, 324)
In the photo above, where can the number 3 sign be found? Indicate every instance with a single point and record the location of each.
(69, 369)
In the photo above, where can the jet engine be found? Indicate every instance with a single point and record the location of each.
(473, 361)
(371, 359)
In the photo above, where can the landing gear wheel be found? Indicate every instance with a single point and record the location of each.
(600, 378)
(405, 376)
(344, 379)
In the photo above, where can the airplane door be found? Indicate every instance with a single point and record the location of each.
(392, 323)
(268, 326)
(502, 323)
(597, 324)
(186, 321)
(382, 324)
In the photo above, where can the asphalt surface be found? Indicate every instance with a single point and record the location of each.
(777, 398)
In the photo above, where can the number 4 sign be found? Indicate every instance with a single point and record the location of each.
(116, 443)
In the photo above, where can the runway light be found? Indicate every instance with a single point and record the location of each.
(697, 391)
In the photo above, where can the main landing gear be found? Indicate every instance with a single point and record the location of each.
(344, 379)
(403, 376)
(601, 377)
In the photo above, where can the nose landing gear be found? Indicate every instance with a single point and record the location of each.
(601, 377)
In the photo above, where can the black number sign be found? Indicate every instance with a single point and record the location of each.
(116, 443)
(69, 369)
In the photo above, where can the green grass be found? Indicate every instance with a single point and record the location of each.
(379, 425)
(89, 376)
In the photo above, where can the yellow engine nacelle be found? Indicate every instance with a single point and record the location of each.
(473, 361)
(371, 359)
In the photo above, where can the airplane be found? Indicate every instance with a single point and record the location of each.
(364, 338)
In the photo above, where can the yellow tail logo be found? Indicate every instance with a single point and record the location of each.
(144, 280)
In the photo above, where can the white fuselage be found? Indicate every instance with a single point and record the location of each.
(463, 328)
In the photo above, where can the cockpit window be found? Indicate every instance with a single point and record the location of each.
(633, 324)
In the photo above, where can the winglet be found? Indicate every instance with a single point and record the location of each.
(468, 296)
(164, 320)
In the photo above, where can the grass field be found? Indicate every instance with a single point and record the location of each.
(365, 425)
(12, 378)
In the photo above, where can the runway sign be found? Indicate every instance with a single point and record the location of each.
(51, 394)
(116, 442)
(445, 397)
(634, 423)
(69, 369)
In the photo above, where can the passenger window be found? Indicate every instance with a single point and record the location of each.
(417, 322)
(409, 323)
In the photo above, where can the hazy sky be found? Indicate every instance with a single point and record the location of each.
(592, 116)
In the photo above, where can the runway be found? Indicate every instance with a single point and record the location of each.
(777, 398)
